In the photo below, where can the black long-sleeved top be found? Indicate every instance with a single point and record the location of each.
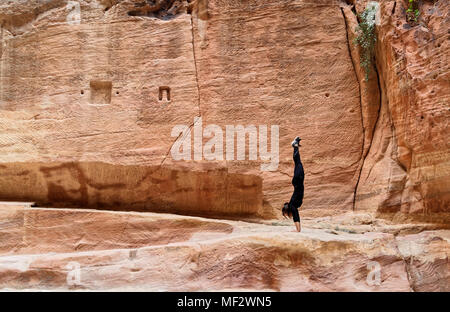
(297, 181)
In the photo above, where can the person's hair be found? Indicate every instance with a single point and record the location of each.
(286, 211)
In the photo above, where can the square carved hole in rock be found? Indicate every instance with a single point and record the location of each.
(100, 92)
(164, 93)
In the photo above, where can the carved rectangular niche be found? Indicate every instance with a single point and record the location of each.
(164, 93)
(100, 92)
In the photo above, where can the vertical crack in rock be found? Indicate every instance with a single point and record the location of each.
(369, 131)
(373, 134)
(226, 190)
(408, 273)
(362, 156)
(198, 88)
(195, 64)
(405, 263)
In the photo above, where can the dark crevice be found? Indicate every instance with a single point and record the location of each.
(373, 130)
(190, 6)
(360, 105)
(161, 9)
(405, 263)
(366, 153)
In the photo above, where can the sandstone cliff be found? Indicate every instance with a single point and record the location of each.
(406, 168)
(90, 91)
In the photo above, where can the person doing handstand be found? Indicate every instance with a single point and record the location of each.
(291, 208)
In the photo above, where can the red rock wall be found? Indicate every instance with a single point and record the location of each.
(407, 168)
(85, 88)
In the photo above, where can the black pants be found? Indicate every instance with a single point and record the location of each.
(297, 181)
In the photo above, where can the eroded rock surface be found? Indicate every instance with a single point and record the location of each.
(90, 92)
(45, 248)
(106, 81)
(407, 167)
(90, 83)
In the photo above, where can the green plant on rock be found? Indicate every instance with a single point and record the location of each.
(366, 37)
(413, 13)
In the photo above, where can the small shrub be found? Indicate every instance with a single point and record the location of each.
(366, 38)
(413, 13)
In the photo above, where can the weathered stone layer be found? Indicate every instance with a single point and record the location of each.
(60, 249)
